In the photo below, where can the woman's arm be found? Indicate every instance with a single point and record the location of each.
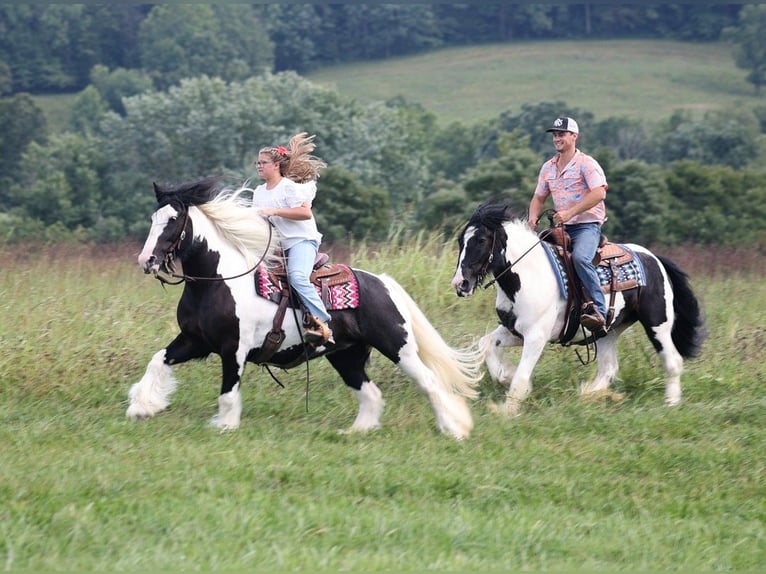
(300, 213)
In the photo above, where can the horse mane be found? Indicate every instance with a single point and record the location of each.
(231, 213)
(492, 215)
(189, 193)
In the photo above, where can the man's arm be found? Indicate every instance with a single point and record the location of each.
(536, 207)
(592, 198)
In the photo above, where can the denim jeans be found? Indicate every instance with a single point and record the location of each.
(300, 263)
(585, 237)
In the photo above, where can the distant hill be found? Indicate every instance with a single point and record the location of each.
(642, 79)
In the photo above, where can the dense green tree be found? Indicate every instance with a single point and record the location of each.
(88, 110)
(639, 205)
(724, 138)
(21, 122)
(626, 138)
(510, 177)
(61, 183)
(533, 120)
(114, 85)
(6, 79)
(710, 205)
(205, 126)
(346, 209)
(178, 41)
(297, 31)
(749, 39)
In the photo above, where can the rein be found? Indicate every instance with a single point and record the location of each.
(171, 255)
(542, 236)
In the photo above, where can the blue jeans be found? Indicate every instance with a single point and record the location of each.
(585, 237)
(300, 263)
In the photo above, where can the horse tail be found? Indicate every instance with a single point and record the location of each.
(689, 327)
(458, 370)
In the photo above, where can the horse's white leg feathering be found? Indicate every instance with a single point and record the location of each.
(151, 394)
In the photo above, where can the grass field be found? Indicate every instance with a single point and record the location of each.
(641, 79)
(567, 485)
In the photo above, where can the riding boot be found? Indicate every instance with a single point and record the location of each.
(317, 332)
(591, 319)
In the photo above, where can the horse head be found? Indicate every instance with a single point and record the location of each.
(481, 239)
(167, 232)
(169, 223)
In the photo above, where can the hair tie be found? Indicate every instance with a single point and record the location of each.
(282, 150)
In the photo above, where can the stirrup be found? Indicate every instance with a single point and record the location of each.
(317, 332)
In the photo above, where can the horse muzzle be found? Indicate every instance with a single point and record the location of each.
(463, 287)
(150, 265)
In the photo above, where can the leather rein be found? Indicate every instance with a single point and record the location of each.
(169, 262)
(542, 236)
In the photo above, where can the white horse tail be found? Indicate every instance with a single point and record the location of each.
(457, 370)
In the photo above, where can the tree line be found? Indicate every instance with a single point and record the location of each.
(49, 48)
(390, 170)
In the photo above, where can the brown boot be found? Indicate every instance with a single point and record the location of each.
(317, 332)
(592, 320)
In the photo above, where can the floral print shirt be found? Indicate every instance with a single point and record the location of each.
(570, 185)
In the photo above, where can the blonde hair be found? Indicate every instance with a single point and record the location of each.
(295, 160)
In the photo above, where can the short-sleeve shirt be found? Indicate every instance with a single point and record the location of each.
(569, 186)
(288, 194)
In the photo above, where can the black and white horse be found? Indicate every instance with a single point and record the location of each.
(218, 238)
(532, 307)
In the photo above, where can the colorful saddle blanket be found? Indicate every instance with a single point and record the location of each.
(335, 283)
(619, 265)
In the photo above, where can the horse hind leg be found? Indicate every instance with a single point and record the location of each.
(672, 361)
(152, 393)
(230, 398)
(453, 417)
(350, 366)
(608, 366)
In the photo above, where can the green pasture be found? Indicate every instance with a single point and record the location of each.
(640, 79)
(568, 485)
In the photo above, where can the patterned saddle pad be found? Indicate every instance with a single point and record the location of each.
(617, 260)
(335, 283)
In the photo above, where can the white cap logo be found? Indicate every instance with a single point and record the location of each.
(558, 123)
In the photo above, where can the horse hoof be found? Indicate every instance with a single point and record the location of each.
(216, 422)
(603, 396)
(136, 416)
(507, 409)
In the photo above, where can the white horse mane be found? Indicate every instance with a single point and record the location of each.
(249, 232)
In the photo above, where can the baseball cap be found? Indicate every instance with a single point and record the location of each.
(564, 125)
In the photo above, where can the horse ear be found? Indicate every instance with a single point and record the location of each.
(157, 192)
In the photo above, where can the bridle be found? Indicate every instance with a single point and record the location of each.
(491, 257)
(170, 256)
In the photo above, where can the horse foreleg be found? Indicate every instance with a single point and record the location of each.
(151, 394)
(521, 387)
(230, 398)
(492, 345)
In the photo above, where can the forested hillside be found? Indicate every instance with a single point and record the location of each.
(175, 92)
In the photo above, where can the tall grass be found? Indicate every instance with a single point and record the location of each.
(566, 485)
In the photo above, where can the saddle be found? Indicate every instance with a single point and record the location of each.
(609, 258)
(335, 283)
